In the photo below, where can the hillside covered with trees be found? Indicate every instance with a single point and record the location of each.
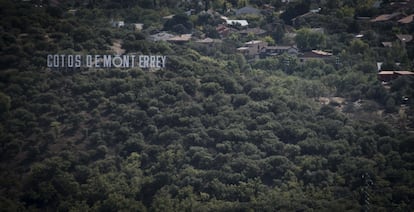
(219, 128)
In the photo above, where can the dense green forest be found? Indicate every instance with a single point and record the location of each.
(215, 130)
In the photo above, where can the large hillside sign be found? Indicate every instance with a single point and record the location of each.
(106, 61)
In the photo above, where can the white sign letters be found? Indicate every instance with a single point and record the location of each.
(106, 61)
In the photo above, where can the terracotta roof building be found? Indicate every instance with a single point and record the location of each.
(407, 20)
(224, 30)
(387, 76)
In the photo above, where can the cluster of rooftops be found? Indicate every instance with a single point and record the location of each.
(251, 49)
(261, 49)
(386, 76)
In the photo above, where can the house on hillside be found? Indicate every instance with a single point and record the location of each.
(242, 23)
(209, 41)
(315, 54)
(278, 50)
(244, 50)
(161, 36)
(224, 31)
(386, 17)
(254, 31)
(248, 10)
(118, 24)
(179, 39)
(387, 76)
(138, 27)
(407, 20)
(234, 22)
(208, 45)
(252, 48)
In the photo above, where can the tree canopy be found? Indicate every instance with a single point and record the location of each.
(215, 130)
